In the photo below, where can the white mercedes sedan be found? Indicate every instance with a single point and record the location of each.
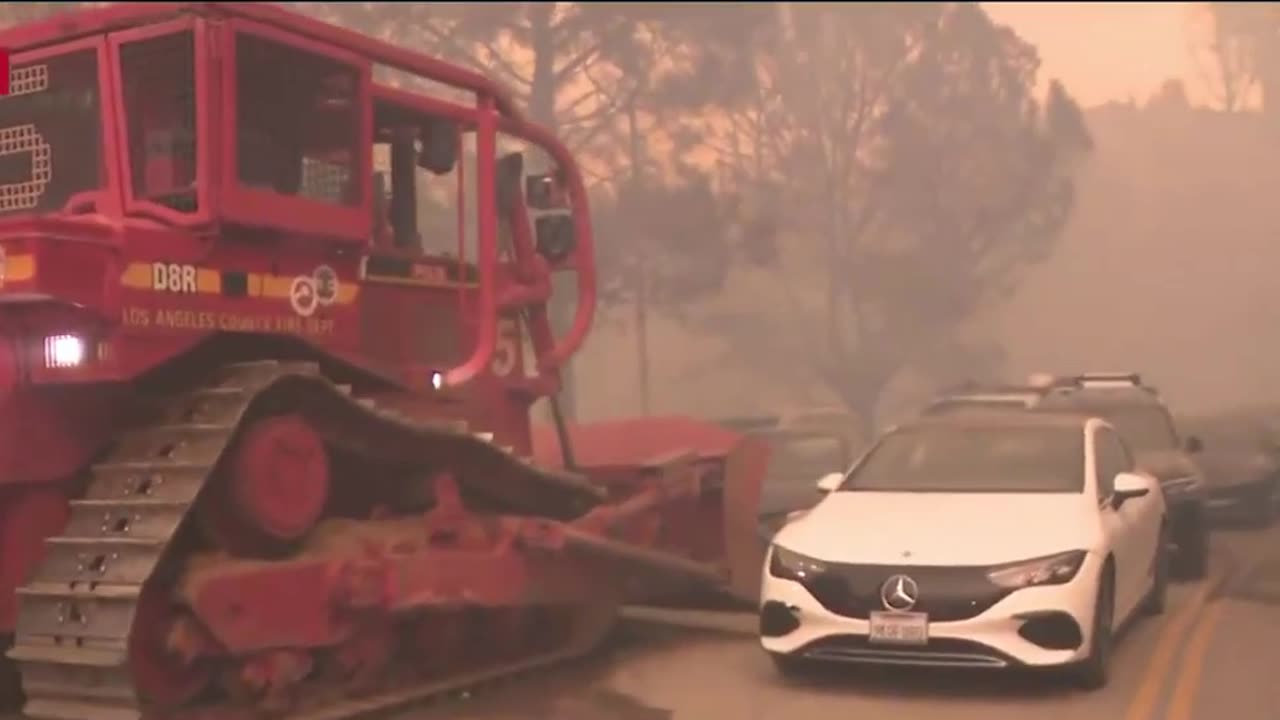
(998, 539)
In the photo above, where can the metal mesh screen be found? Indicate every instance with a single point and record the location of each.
(50, 133)
(159, 94)
(298, 121)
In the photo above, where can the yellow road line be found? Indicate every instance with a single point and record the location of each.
(1188, 683)
(1188, 619)
(1143, 705)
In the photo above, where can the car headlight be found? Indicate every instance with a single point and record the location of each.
(788, 565)
(1050, 570)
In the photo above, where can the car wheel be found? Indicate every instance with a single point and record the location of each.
(1157, 597)
(790, 666)
(1092, 672)
(1193, 549)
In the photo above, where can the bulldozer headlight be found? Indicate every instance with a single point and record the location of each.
(64, 351)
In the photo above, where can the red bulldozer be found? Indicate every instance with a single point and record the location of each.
(266, 446)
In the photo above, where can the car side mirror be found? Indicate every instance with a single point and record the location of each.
(1129, 486)
(830, 482)
(1194, 444)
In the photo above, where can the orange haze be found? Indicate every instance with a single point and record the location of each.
(1110, 50)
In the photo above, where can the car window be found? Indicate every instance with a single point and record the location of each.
(1111, 458)
(1143, 427)
(960, 458)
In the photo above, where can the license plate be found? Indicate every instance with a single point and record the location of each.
(899, 628)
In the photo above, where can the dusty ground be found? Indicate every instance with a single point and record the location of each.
(1213, 655)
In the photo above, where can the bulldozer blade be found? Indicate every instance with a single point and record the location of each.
(617, 452)
(745, 466)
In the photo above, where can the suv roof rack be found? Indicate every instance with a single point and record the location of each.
(1102, 380)
(973, 395)
(1109, 378)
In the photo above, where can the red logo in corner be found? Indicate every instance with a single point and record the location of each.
(4, 72)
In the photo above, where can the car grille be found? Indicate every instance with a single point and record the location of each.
(946, 593)
(938, 652)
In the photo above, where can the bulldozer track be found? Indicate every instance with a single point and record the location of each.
(72, 642)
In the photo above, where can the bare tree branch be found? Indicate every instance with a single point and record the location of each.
(496, 59)
(575, 64)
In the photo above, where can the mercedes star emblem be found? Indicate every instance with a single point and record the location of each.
(899, 593)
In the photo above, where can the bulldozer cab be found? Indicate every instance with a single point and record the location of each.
(175, 179)
(194, 119)
(248, 123)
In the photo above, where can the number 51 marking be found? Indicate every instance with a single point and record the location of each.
(507, 350)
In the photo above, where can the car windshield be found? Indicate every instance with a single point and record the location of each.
(973, 459)
(1143, 427)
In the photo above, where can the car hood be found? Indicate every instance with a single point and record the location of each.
(940, 528)
(1167, 464)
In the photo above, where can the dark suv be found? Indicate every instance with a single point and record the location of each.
(1144, 422)
(1241, 463)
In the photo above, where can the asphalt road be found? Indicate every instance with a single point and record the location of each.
(1214, 654)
